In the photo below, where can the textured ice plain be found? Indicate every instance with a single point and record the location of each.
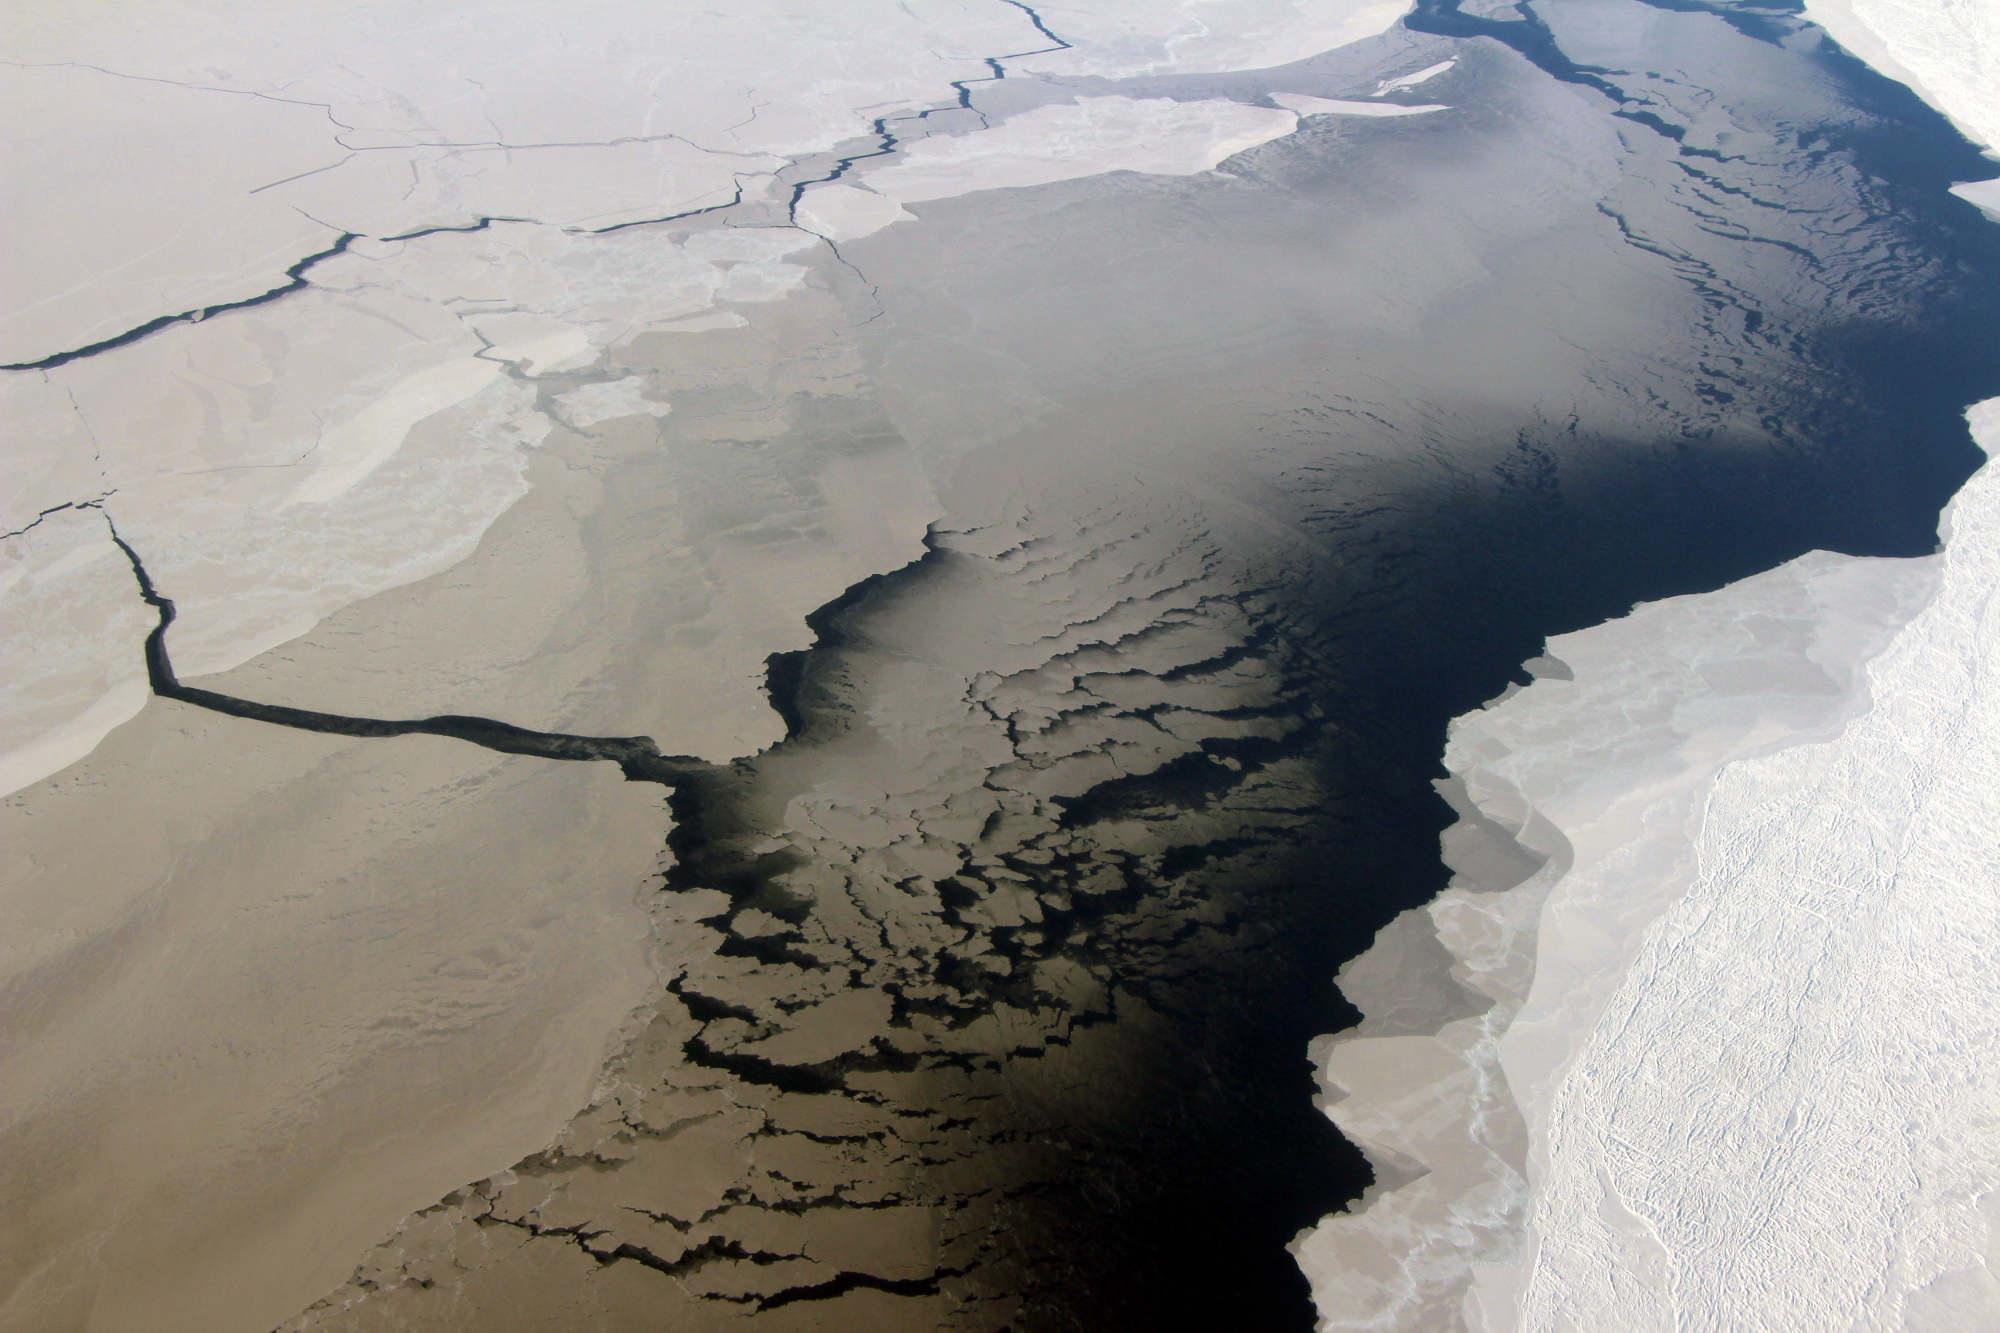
(962, 1002)
(1653, 1197)
(1785, 1115)
(1581, 800)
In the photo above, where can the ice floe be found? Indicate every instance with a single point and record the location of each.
(1703, 1033)
(1091, 136)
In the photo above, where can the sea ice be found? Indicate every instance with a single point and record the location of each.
(1424, 75)
(1946, 51)
(605, 401)
(1115, 39)
(379, 946)
(1578, 797)
(1088, 137)
(1326, 106)
(1703, 1035)
(493, 148)
(1783, 1115)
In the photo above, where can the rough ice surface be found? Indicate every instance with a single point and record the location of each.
(1783, 1116)
(1579, 798)
(1703, 1034)
(1946, 51)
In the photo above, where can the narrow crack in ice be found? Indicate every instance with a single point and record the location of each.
(638, 757)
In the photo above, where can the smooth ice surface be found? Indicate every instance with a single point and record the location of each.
(1424, 75)
(280, 462)
(1127, 38)
(1327, 106)
(257, 141)
(433, 472)
(1088, 137)
(265, 1022)
(397, 117)
(404, 967)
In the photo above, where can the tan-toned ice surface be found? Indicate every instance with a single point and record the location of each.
(430, 195)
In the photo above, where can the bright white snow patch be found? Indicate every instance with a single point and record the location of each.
(1706, 1032)
(1092, 136)
(1424, 75)
(1118, 39)
(1580, 798)
(843, 213)
(1785, 1115)
(356, 447)
(585, 407)
(1947, 51)
(1327, 106)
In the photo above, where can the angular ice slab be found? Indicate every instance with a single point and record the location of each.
(1704, 1029)
(1091, 136)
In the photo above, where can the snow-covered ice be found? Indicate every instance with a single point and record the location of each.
(1784, 1117)
(1578, 796)
(1704, 1035)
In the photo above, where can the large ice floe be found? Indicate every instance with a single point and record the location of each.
(1705, 1034)
(1701, 1035)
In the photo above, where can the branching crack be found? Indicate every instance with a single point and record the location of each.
(887, 140)
(296, 276)
(97, 503)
